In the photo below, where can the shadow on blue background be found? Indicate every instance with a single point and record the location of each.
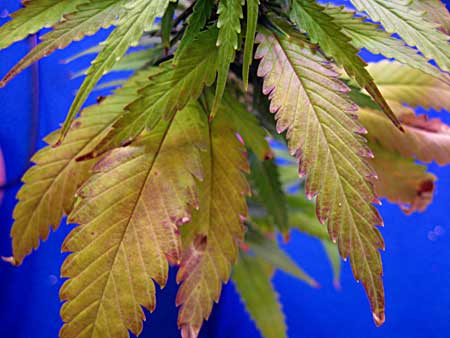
(416, 264)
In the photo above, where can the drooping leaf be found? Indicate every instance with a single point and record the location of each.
(403, 84)
(268, 190)
(367, 35)
(211, 240)
(252, 278)
(269, 251)
(87, 20)
(230, 13)
(139, 16)
(311, 105)
(201, 11)
(128, 213)
(35, 15)
(425, 139)
(321, 28)
(168, 90)
(400, 16)
(50, 185)
(434, 11)
(252, 20)
(402, 181)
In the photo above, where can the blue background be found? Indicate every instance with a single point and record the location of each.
(416, 263)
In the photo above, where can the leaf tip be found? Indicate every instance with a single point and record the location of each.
(11, 260)
(379, 318)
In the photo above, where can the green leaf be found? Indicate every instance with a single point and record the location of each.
(321, 28)
(129, 212)
(268, 190)
(230, 13)
(36, 15)
(366, 35)
(247, 125)
(201, 12)
(210, 241)
(268, 250)
(399, 16)
(168, 90)
(139, 16)
(402, 181)
(311, 104)
(402, 84)
(332, 252)
(87, 20)
(252, 278)
(50, 185)
(166, 24)
(302, 216)
(252, 20)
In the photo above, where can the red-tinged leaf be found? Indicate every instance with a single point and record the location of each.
(311, 105)
(424, 139)
(129, 212)
(402, 181)
(211, 241)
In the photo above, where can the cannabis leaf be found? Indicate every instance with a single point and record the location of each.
(168, 90)
(310, 103)
(402, 181)
(138, 17)
(434, 11)
(252, 278)
(366, 35)
(35, 15)
(398, 16)
(230, 13)
(50, 185)
(401, 84)
(200, 14)
(252, 20)
(321, 28)
(269, 190)
(425, 139)
(211, 240)
(87, 20)
(128, 212)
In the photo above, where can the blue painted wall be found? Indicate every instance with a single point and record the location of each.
(416, 262)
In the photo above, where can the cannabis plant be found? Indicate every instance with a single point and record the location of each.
(242, 120)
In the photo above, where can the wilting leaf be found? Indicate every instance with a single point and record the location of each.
(50, 185)
(252, 278)
(310, 103)
(211, 240)
(402, 181)
(425, 139)
(129, 212)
